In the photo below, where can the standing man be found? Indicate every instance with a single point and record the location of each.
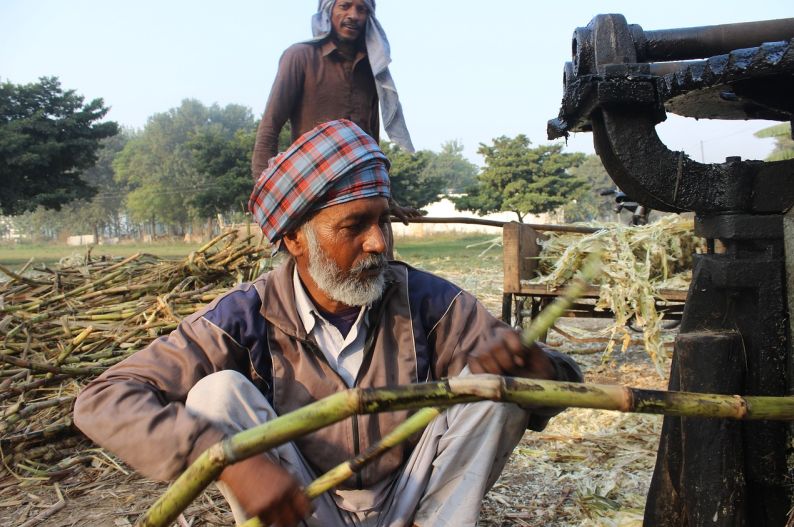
(335, 315)
(342, 73)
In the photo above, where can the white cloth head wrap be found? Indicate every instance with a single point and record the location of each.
(379, 55)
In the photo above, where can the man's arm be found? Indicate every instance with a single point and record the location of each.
(136, 408)
(469, 335)
(285, 94)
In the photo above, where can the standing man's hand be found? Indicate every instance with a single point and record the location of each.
(266, 490)
(503, 354)
(404, 213)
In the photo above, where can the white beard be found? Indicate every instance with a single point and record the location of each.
(351, 289)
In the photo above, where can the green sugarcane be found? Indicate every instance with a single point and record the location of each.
(458, 390)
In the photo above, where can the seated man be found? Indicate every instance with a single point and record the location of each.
(336, 314)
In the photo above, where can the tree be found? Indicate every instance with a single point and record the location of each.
(411, 185)
(521, 179)
(784, 144)
(587, 203)
(103, 210)
(222, 157)
(48, 138)
(170, 166)
(449, 165)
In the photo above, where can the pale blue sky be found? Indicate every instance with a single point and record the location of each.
(465, 70)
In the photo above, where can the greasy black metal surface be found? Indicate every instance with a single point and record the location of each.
(615, 88)
(636, 45)
(684, 479)
(753, 83)
(621, 100)
(740, 227)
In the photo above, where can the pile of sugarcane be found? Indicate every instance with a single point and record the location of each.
(637, 263)
(62, 326)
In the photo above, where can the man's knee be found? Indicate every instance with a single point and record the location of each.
(216, 388)
(504, 415)
(228, 399)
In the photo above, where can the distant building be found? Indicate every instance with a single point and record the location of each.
(445, 208)
(81, 239)
(8, 231)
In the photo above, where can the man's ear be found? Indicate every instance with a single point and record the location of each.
(295, 243)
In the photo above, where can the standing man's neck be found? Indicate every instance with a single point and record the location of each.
(346, 48)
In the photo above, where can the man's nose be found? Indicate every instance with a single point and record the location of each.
(356, 15)
(375, 241)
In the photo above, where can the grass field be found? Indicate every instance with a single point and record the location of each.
(427, 252)
(19, 254)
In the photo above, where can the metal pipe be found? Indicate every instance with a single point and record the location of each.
(707, 41)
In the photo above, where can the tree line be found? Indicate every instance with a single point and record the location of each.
(64, 169)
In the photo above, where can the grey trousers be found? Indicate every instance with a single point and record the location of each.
(458, 458)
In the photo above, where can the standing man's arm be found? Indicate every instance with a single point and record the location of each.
(285, 94)
(374, 124)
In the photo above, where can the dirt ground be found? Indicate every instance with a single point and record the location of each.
(588, 468)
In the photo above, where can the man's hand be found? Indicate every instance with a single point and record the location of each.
(266, 490)
(503, 354)
(404, 213)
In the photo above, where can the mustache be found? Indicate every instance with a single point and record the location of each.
(372, 262)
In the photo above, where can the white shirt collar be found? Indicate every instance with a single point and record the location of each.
(306, 308)
(303, 302)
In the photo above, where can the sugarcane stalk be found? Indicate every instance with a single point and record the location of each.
(14, 276)
(117, 290)
(213, 241)
(457, 390)
(49, 431)
(73, 292)
(10, 391)
(37, 366)
(75, 344)
(576, 287)
(122, 263)
(6, 373)
(7, 382)
(415, 423)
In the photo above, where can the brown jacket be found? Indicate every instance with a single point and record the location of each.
(423, 329)
(315, 84)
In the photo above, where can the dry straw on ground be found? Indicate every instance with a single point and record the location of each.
(64, 325)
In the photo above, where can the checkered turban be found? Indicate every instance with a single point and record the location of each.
(334, 163)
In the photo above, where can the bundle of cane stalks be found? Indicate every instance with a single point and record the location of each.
(62, 326)
(637, 264)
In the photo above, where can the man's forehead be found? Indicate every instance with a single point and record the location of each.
(373, 206)
(369, 4)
